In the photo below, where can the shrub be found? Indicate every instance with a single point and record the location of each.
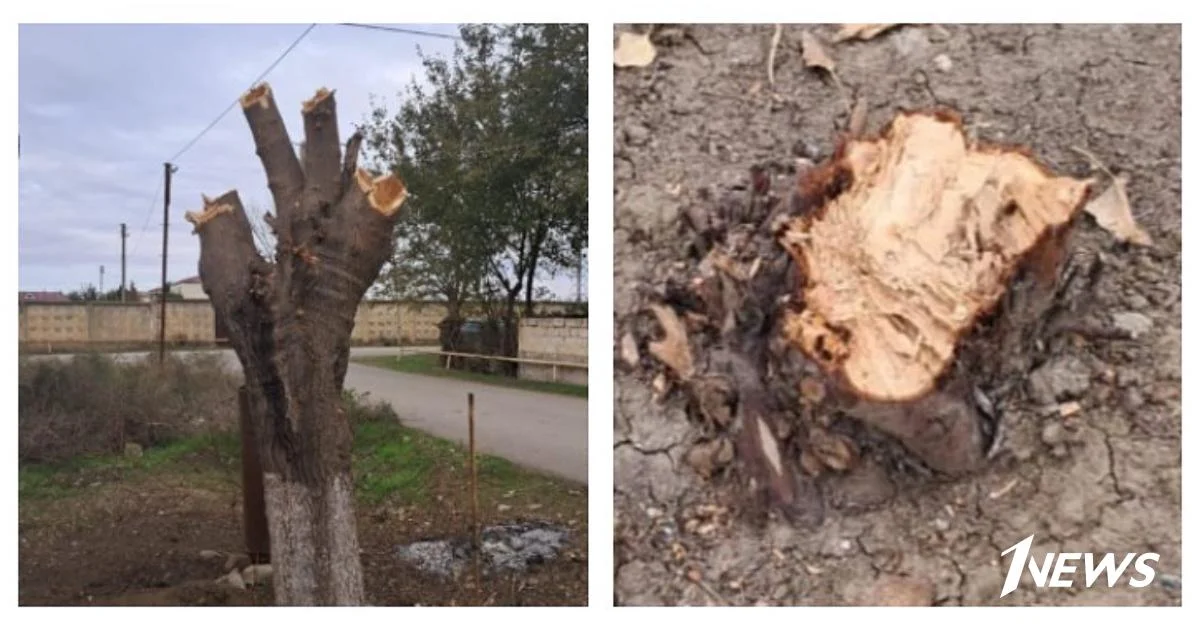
(93, 404)
(360, 410)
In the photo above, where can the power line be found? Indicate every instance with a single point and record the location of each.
(149, 213)
(407, 31)
(238, 99)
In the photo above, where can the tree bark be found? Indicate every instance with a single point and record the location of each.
(290, 323)
(900, 281)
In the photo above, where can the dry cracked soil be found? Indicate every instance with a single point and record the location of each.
(1105, 478)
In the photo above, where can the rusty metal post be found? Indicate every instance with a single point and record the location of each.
(474, 481)
(254, 507)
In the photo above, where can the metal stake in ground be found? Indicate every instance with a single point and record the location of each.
(474, 483)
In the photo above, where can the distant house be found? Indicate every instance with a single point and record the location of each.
(186, 289)
(42, 296)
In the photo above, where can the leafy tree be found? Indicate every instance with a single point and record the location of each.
(494, 147)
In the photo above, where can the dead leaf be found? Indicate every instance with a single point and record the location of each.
(858, 117)
(707, 458)
(810, 464)
(713, 395)
(1113, 213)
(860, 31)
(673, 350)
(634, 50)
(835, 451)
(814, 53)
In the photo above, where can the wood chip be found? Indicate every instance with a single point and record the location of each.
(673, 350)
(858, 117)
(660, 385)
(861, 31)
(634, 50)
(1113, 213)
(996, 494)
(629, 350)
(1069, 409)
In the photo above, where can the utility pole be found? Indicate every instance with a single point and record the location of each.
(162, 315)
(101, 282)
(124, 235)
(579, 275)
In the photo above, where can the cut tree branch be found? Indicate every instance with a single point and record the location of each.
(322, 154)
(284, 174)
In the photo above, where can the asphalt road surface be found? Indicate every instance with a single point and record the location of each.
(547, 432)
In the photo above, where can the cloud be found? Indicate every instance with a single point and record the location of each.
(101, 107)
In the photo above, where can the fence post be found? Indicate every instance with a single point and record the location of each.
(254, 507)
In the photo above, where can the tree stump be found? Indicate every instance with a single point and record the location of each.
(290, 322)
(896, 280)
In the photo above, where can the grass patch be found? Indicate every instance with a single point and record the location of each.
(431, 365)
(391, 463)
(197, 457)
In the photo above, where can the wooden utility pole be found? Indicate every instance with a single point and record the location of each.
(162, 315)
(124, 235)
(254, 506)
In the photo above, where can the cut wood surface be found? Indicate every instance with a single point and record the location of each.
(905, 275)
(919, 246)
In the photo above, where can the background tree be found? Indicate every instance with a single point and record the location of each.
(494, 146)
(89, 293)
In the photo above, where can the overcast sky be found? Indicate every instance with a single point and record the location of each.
(101, 107)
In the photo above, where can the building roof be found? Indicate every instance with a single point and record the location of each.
(188, 280)
(43, 296)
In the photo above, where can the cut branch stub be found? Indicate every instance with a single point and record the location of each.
(385, 194)
(285, 177)
(916, 238)
(322, 151)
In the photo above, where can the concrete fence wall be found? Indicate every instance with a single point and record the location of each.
(553, 339)
(193, 321)
(100, 322)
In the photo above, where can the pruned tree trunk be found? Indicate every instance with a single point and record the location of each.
(899, 277)
(290, 322)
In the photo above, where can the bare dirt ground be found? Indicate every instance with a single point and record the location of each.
(1104, 479)
(162, 539)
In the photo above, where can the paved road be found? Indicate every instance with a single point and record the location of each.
(547, 432)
